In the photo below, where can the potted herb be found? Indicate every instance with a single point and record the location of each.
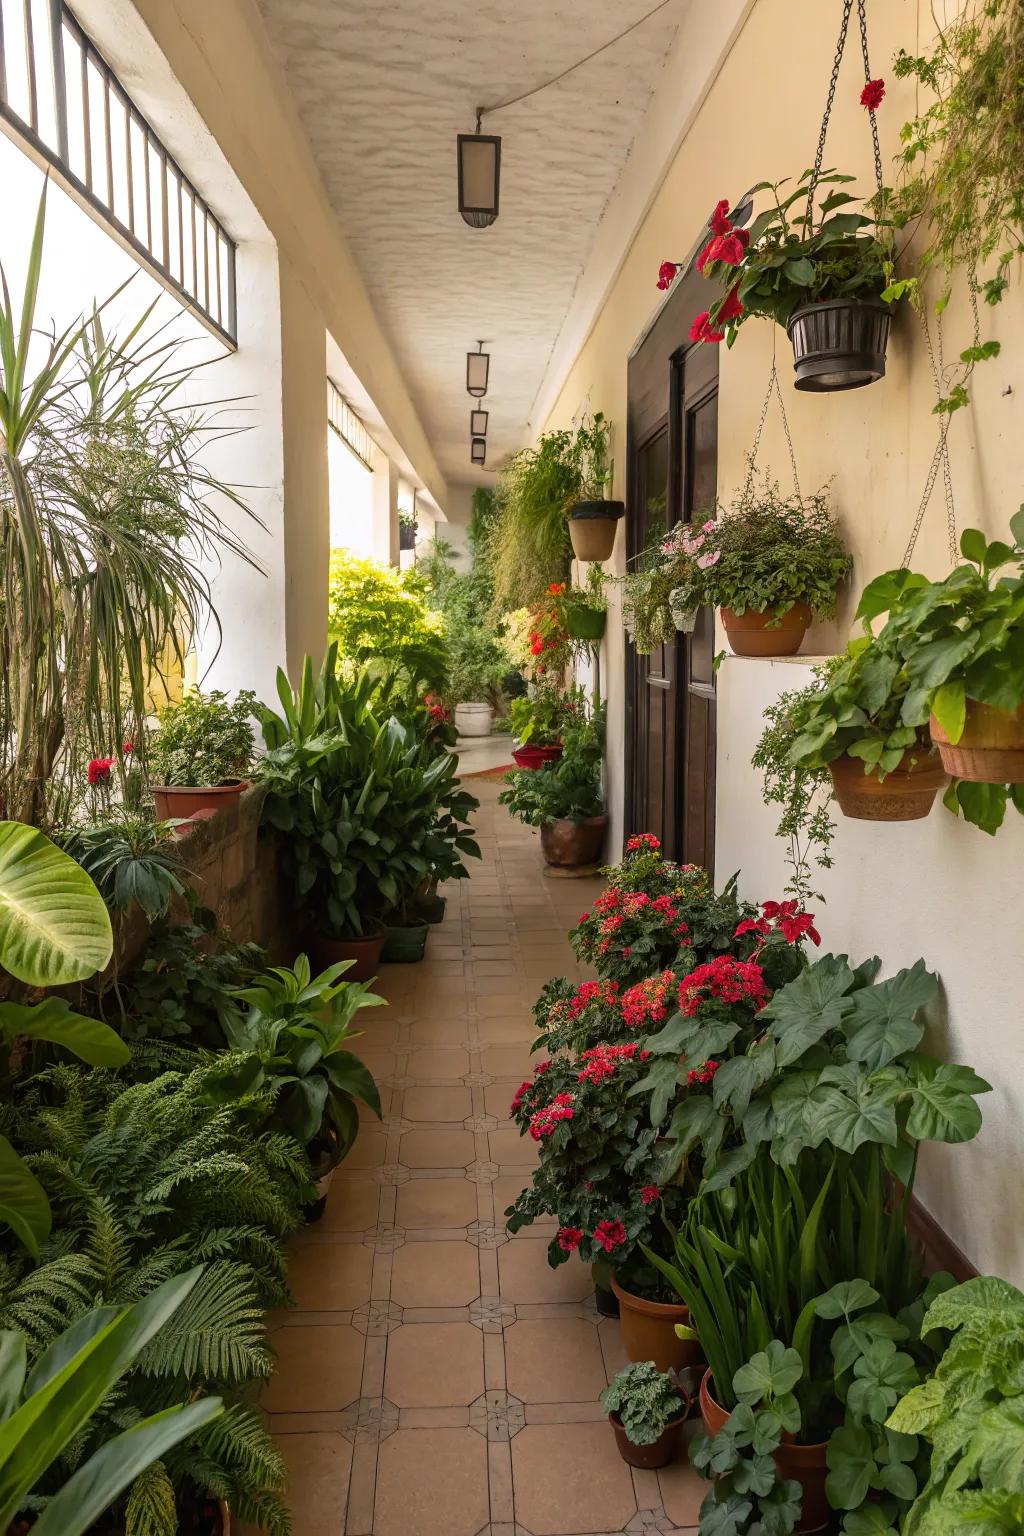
(292, 1041)
(770, 563)
(201, 753)
(592, 518)
(961, 642)
(647, 1411)
(852, 728)
(564, 798)
(819, 273)
(406, 529)
(585, 609)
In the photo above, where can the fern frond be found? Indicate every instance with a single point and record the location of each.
(152, 1509)
(237, 1461)
(216, 1335)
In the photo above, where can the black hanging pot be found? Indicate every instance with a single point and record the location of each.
(839, 344)
(406, 537)
(592, 528)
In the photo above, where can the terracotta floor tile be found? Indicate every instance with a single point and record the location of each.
(439, 1031)
(330, 1277)
(508, 1061)
(554, 1360)
(426, 1064)
(431, 1482)
(319, 1369)
(505, 1191)
(453, 1103)
(569, 1478)
(352, 1206)
(498, 1097)
(508, 1147)
(369, 1149)
(434, 1364)
(431, 1203)
(380, 1063)
(518, 1030)
(435, 1275)
(526, 1276)
(437, 1149)
(683, 1491)
(612, 1347)
(318, 1466)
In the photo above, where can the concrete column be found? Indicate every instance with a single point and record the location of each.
(385, 508)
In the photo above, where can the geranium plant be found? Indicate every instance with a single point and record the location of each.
(789, 257)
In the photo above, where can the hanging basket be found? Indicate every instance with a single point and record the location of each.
(990, 749)
(592, 528)
(839, 344)
(749, 633)
(584, 623)
(905, 794)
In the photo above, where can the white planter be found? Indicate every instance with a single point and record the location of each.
(473, 719)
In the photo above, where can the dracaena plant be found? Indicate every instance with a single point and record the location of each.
(961, 641)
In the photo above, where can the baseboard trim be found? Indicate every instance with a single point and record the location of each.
(939, 1247)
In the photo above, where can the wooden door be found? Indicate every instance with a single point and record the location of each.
(672, 451)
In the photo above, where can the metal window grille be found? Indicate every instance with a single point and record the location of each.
(62, 102)
(346, 423)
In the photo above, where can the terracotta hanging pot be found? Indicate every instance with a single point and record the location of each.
(365, 949)
(906, 794)
(839, 344)
(749, 635)
(665, 1449)
(991, 749)
(804, 1464)
(569, 844)
(592, 528)
(649, 1330)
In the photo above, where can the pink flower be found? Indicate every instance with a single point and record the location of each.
(666, 274)
(569, 1239)
(872, 94)
(711, 558)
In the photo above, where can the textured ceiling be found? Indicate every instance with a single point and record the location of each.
(384, 89)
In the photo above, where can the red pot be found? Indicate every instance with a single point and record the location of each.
(536, 757)
(365, 951)
(804, 1464)
(179, 801)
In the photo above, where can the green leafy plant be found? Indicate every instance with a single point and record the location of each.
(569, 789)
(46, 1410)
(961, 641)
(971, 1410)
(291, 1037)
(801, 790)
(592, 598)
(646, 1400)
(541, 716)
(133, 861)
(530, 546)
(181, 985)
(204, 741)
(377, 612)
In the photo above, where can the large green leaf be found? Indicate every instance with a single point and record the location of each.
(23, 1203)
(53, 1020)
(942, 1101)
(54, 926)
(884, 1023)
(808, 1008)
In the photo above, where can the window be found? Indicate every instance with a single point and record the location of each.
(60, 99)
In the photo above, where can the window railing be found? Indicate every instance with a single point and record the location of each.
(61, 100)
(346, 423)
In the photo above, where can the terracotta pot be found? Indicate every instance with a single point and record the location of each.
(906, 794)
(592, 528)
(991, 749)
(568, 844)
(473, 719)
(805, 1464)
(365, 951)
(225, 1518)
(749, 636)
(648, 1330)
(839, 344)
(179, 801)
(666, 1448)
(531, 756)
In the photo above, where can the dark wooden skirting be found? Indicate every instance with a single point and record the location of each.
(941, 1251)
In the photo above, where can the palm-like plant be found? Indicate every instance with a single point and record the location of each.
(105, 517)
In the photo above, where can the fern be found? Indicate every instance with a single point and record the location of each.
(235, 1458)
(216, 1335)
(152, 1509)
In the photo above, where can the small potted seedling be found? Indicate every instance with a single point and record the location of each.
(647, 1411)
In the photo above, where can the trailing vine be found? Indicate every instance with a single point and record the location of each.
(803, 794)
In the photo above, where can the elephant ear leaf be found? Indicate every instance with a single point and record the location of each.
(54, 925)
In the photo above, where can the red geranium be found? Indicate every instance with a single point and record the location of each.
(569, 1238)
(610, 1235)
(872, 94)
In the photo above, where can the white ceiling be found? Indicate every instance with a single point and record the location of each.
(384, 89)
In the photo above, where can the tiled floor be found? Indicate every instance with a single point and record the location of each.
(437, 1378)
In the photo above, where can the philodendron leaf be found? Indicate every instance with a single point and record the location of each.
(806, 1009)
(54, 925)
(943, 1107)
(52, 1020)
(883, 1023)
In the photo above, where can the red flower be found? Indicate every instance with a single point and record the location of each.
(544, 1121)
(729, 248)
(730, 307)
(720, 218)
(650, 1193)
(666, 273)
(703, 330)
(569, 1239)
(872, 94)
(610, 1235)
(753, 925)
(794, 928)
(643, 840)
(99, 769)
(707, 254)
(723, 980)
(520, 1094)
(127, 748)
(704, 1073)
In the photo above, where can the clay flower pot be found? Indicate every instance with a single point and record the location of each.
(649, 1330)
(569, 844)
(666, 1448)
(749, 635)
(365, 950)
(906, 794)
(805, 1464)
(839, 344)
(991, 749)
(179, 801)
(592, 528)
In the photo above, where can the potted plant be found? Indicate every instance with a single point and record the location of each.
(537, 721)
(584, 610)
(291, 1040)
(406, 529)
(647, 1411)
(769, 564)
(592, 518)
(201, 753)
(852, 728)
(960, 640)
(529, 545)
(563, 798)
(821, 274)
(474, 677)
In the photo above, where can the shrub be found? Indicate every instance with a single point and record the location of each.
(375, 610)
(203, 740)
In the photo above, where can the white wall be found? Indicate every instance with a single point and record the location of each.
(938, 888)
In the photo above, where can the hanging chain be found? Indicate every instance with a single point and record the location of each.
(789, 439)
(774, 387)
(873, 116)
(833, 82)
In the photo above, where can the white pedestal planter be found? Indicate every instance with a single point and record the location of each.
(473, 719)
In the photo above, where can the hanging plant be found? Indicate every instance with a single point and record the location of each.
(962, 162)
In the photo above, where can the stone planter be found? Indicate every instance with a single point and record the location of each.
(473, 719)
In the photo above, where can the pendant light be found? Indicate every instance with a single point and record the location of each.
(479, 156)
(478, 450)
(478, 366)
(478, 423)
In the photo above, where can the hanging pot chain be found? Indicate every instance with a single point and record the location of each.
(863, 19)
(833, 82)
(773, 387)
